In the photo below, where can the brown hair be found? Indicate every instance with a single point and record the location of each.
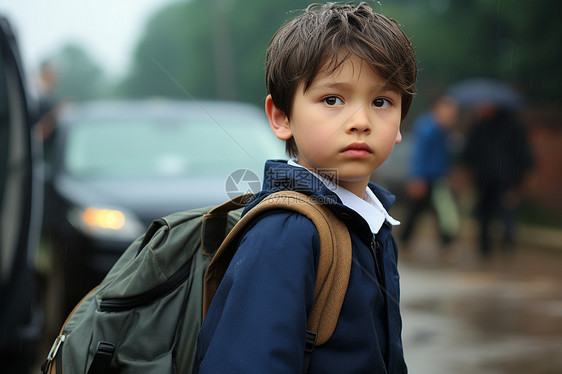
(323, 37)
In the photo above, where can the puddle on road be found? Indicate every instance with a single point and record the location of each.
(496, 315)
(485, 322)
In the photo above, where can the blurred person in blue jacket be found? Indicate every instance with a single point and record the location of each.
(340, 79)
(429, 168)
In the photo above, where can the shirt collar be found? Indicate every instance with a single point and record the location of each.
(370, 207)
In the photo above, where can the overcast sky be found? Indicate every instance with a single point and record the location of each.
(108, 29)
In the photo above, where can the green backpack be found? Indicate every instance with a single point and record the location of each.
(144, 317)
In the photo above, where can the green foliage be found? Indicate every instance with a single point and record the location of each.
(79, 78)
(514, 40)
(216, 48)
(174, 55)
(206, 49)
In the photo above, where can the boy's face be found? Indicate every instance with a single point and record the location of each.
(348, 120)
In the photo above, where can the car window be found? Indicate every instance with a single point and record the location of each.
(131, 148)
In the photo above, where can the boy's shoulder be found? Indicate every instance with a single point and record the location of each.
(282, 226)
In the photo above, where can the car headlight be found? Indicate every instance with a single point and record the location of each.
(106, 223)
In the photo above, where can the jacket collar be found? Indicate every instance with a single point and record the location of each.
(279, 176)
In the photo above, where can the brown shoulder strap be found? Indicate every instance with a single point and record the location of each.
(334, 265)
(214, 225)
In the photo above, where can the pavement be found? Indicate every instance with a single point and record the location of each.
(485, 321)
(540, 237)
(464, 315)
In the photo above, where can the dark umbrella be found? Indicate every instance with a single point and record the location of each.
(472, 92)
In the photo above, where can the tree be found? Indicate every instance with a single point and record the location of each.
(516, 41)
(174, 55)
(216, 49)
(206, 49)
(79, 78)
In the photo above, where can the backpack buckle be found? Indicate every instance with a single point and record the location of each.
(310, 341)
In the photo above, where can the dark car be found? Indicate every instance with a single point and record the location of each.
(113, 167)
(20, 205)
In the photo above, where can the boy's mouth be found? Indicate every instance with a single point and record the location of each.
(357, 150)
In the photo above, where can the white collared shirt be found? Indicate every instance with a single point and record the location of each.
(370, 207)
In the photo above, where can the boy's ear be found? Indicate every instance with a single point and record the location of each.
(398, 137)
(278, 120)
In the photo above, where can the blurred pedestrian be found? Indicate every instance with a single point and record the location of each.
(44, 124)
(430, 163)
(47, 105)
(497, 154)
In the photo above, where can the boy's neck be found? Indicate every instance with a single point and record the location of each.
(355, 187)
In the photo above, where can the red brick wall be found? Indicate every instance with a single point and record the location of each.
(545, 137)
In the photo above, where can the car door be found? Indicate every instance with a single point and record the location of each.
(20, 205)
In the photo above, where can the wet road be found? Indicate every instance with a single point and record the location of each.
(462, 316)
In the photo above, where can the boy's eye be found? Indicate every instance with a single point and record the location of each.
(381, 103)
(332, 100)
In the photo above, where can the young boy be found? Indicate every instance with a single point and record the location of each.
(340, 80)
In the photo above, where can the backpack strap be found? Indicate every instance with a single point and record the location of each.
(334, 266)
(213, 229)
(102, 359)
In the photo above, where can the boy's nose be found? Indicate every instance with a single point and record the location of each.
(359, 121)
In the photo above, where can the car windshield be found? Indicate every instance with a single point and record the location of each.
(133, 148)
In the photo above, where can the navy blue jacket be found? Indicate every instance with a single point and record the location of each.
(257, 320)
